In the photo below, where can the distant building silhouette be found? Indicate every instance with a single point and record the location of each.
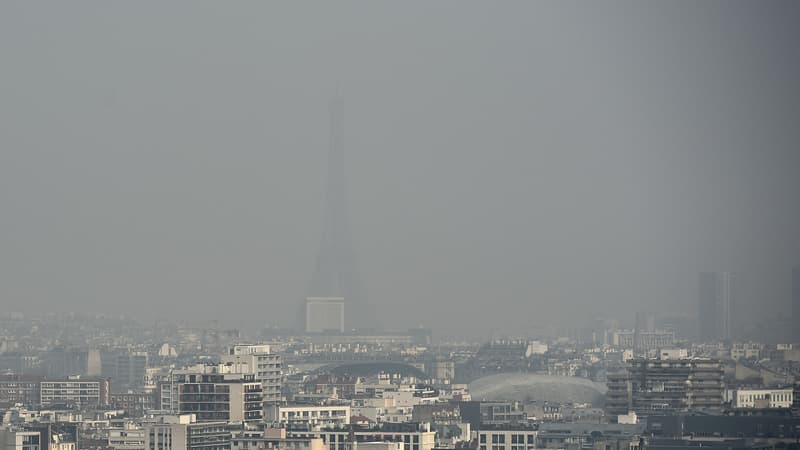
(324, 314)
(335, 275)
(715, 306)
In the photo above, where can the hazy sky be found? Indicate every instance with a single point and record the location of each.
(508, 162)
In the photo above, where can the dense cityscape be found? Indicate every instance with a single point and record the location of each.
(82, 381)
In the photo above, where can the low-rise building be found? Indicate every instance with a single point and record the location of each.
(412, 436)
(308, 417)
(129, 436)
(273, 438)
(764, 398)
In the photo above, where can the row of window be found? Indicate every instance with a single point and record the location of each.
(500, 438)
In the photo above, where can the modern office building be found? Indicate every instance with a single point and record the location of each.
(325, 314)
(657, 386)
(266, 367)
(716, 305)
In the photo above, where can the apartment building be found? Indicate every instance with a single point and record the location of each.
(655, 386)
(266, 367)
(184, 432)
(75, 391)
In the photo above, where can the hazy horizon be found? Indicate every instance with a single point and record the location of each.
(508, 164)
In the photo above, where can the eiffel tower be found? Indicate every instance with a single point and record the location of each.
(335, 275)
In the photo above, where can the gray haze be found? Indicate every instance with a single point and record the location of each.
(508, 162)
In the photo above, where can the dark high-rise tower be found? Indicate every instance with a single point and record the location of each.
(335, 274)
(715, 306)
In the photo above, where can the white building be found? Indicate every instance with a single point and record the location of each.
(412, 436)
(75, 391)
(266, 367)
(764, 398)
(309, 416)
(324, 314)
(128, 437)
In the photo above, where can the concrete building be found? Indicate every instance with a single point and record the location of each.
(764, 398)
(20, 389)
(507, 437)
(412, 436)
(650, 386)
(213, 393)
(40, 437)
(184, 432)
(75, 391)
(644, 340)
(273, 439)
(746, 350)
(308, 417)
(266, 367)
(606, 436)
(324, 314)
(129, 436)
(442, 370)
(63, 363)
(135, 403)
(479, 414)
(127, 370)
(21, 440)
(715, 306)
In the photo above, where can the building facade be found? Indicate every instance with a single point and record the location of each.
(324, 314)
(266, 367)
(764, 398)
(183, 432)
(655, 386)
(519, 437)
(715, 306)
(75, 391)
(225, 397)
